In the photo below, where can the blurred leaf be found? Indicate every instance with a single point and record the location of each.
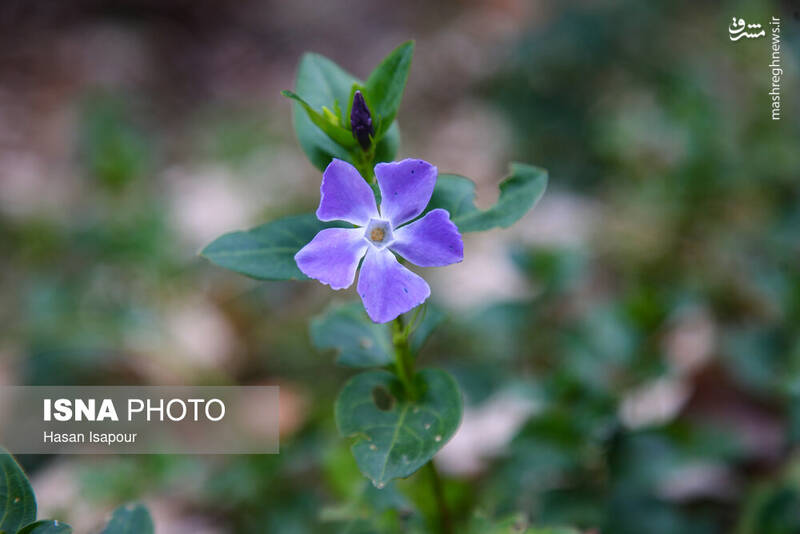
(513, 525)
(760, 358)
(47, 526)
(17, 501)
(266, 252)
(321, 82)
(631, 512)
(386, 84)
(555, 269)
(395, 436)
(386, 498)
(518, 193)
(771, 510)
(114, 150)
(359, 341)
(130, 519)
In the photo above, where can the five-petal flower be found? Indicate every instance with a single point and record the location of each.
(386, 287)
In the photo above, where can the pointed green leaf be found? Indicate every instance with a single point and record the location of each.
(386, 84)
(347, 329)
(17, 502)
(46, 526)
(388, 144)
(395, 436)
(130, 519)
(340, 135)
(518, 194)
(321, 82)
(266, 252)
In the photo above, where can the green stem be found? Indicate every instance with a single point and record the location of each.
(363, 160)
(445, 523)
(404, 361)
(404, 367)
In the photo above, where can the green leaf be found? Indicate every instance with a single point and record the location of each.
(342, 136)
(17, 501)
(431, 320)
(388, 144)
(113, 149)
(46, 526)
(266, 252)
(394, 435)
(386, 84)
(321, 82)
(347, 329)
(130, 519)
(518, 194)
(360, 342)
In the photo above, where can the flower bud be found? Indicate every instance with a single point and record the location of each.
(361, 121)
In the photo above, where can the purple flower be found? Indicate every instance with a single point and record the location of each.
(386, 287)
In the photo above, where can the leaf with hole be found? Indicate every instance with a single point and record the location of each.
(266, 252)
(395, 435)
(518, 194)
(17, 501)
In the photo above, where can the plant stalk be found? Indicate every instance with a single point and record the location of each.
(404, 361)
(445, 522)
(364, 163)
(404, 366)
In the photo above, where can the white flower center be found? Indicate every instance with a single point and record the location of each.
(379, 233)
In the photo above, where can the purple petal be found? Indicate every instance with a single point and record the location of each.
(345, 196)
(406, 188)
(332, 256)
(432, 241)
(387, 288)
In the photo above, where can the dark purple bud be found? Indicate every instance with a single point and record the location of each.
(361, 121)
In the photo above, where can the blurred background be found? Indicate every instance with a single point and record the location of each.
(629, 351)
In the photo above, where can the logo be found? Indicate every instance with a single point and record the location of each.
(737, 30)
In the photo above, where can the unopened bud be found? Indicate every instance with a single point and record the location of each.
(361, 121)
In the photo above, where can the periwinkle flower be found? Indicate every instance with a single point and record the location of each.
(386, 287)
(361, 121)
